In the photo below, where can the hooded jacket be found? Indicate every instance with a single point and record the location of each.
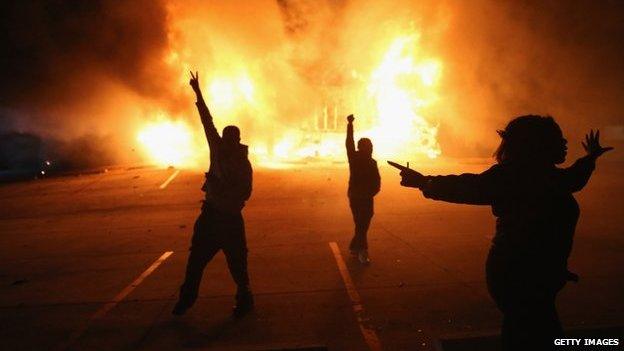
(364, 179)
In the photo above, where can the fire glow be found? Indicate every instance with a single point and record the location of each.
(168, 143)
(391, 92)
(399, 122)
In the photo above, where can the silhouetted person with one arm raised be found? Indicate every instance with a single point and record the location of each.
(220, 225)
(536, 219)
(364, 184)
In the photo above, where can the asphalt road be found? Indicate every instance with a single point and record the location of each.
(85, 263)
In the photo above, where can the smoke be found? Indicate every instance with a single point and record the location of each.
(61, 50)
(100, 68)
(79, 70)
(511, 58)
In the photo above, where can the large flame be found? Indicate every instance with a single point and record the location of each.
(168, 143)
(397, 91)
(402, 87)
(287, 116)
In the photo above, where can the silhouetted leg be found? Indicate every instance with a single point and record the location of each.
(546, 323)
(237, 263)
(531, 325)
(235, 249)
(367, 216)
(197, 261)
(362, 211)
(527, 301)
(355, 244)
(204, 246)
(516, 329)
(530, 321)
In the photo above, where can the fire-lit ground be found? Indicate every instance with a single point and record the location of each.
(69, 246)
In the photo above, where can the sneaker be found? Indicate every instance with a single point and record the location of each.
(179, 309)
(241, 310)
(363, 257)
(244, 304)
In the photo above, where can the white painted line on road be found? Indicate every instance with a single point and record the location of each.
(171, 177)
(109, 305)
(369, 334)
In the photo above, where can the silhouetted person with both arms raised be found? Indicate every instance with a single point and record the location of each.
(220, 225)
(536, 218)
(364, 184)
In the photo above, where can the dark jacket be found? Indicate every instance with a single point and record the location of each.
(536, 214)
(229, 179)
(364, 179)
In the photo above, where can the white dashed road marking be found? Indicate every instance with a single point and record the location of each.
(369, 334)
(109, 305)
(171, 177)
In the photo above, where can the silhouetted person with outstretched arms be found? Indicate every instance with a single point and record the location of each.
(220, 225)
(364, 184)
(536, 218)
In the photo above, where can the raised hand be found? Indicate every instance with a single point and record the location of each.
(592, 144)
(194, 81)
(411, 178)
(350, 118)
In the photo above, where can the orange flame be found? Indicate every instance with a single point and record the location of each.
(168, 143)
(391, 99)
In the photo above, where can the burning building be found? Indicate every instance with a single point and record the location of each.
(424, 80)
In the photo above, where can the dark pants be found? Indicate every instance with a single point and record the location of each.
(530, 319)
(215, 231)
(362, 210)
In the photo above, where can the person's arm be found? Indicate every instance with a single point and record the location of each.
(575, 177)
(467, 188)
(204, 113)
(349, 141)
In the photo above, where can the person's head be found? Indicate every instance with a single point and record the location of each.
(231, 136)
(532, 139)
(365, 147)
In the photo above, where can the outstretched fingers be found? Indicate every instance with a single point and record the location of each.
(194, 77)
(592, 144)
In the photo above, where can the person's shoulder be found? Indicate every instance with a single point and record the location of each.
(497, 169)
